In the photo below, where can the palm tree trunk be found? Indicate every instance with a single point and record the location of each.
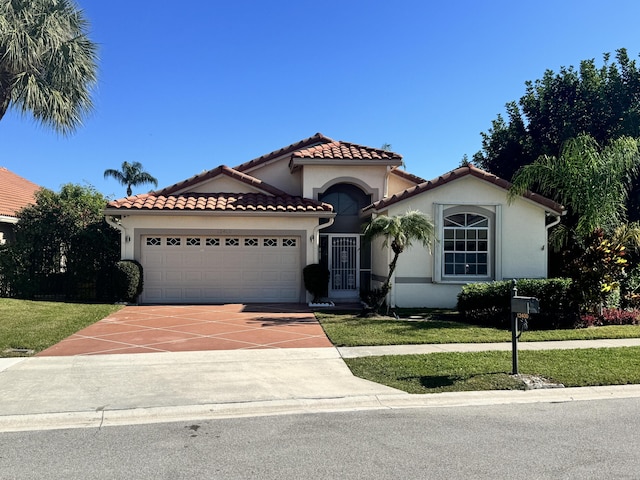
(386, 286)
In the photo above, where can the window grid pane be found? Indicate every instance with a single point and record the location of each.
(466, 245)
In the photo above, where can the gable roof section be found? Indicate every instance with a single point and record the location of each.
(178, 198)
(316, 139)
(15, 193)
(343, 152)
(221, 170)
(460, 173)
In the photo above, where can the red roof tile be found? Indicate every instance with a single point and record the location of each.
(345, 151)
(220, 202)
(15, 193)
(316, 139)
(459, 173)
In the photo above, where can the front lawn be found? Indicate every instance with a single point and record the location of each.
(28, 327)
(348, 330)
(455, 372)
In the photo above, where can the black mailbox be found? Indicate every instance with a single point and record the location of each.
(524, 305)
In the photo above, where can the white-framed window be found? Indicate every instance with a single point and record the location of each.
(467, 243)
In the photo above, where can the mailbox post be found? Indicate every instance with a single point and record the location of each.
(519, 306)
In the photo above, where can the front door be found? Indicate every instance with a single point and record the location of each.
(343, 260)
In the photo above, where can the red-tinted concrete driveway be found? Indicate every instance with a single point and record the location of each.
(144, 329)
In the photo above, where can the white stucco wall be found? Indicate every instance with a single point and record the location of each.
(223, 183)
(137, 225)
(519, 240)
(321, 177)
(398, 184)
(278, 174)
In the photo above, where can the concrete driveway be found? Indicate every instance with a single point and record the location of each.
(185, 328)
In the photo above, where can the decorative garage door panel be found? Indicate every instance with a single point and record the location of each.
(199, 269)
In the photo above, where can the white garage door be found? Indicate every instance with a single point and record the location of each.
(220, 269)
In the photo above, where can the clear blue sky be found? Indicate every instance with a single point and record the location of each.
(187, 86)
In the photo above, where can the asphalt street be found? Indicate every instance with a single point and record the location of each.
(567, 440)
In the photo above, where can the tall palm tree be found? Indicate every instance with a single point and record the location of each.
(131, 175)
(401, 231)
(48, 64)
(592, 182)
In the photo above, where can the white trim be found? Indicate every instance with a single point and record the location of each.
(8, 219)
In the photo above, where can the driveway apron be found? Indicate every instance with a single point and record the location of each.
(183, 328)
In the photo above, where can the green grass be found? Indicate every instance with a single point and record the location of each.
(348, 330)
(38, 325)
(455, 372)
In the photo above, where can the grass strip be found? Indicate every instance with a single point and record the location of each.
(457, 372)
(34, 326)
(348, 330)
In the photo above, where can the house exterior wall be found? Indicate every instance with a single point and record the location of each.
(398, 184)
(317, 178)
(278, 174)
(223, 184)
(134, 226)
(518, 243)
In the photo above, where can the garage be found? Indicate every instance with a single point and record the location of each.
(221, 269)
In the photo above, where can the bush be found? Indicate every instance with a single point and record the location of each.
(127, 280)
(316, 280)
(490, 303)
(610, 316)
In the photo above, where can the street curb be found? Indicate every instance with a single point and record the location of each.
(139, 416)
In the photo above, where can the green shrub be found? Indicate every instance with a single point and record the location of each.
(490, 303)
(127, 280)
(316, 280)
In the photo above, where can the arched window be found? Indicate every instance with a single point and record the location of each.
(466, 245)
(347, 201)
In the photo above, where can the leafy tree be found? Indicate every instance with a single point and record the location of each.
(48, 64)
(602, 102)
(399, 231)
(131, 175)
(592, 182)
(61, 241)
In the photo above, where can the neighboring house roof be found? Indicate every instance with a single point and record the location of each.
(15, 193)
(460, 173)
(221, 202)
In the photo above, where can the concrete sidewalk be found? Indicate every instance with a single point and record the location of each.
(39, 393)
(353, 352)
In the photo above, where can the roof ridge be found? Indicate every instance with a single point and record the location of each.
(221, 170)
(460, 172)
(304, 143)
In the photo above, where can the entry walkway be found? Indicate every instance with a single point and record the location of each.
(189, 328)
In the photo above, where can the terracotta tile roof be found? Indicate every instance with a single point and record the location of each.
(316, 139)
(220, 202)
(459, 173)
(221, 170)
(345, 151)
(15, 193)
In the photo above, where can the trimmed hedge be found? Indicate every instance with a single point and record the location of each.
(490, 303)
(316, 280)
(127, 280)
